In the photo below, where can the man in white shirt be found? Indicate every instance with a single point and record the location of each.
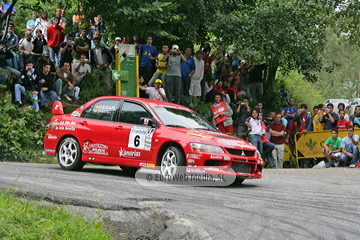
(156, 92)
(80, 69)
(196, 77)
(25, 48)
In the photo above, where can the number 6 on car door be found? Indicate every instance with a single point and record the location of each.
(141, 137)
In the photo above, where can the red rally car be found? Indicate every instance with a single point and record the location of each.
(133, 133)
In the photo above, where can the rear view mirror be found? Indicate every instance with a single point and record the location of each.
(146, 121)
(57, 108)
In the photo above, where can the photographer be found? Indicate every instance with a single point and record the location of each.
(173, 74)
(242, 113)
(67, 50)
(38, 42)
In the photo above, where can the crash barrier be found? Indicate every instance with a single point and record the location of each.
(310, 144)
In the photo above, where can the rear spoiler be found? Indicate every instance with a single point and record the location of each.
(57, 108)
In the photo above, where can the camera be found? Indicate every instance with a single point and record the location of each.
(242, 103)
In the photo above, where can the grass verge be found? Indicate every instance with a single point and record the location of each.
(27, 219)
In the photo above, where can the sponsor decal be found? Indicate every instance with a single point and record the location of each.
(52, 137)
(95, 148)
(76, 114)
(150, 165)
(103, 108)
(53, 125)
(50, 150)
(227, 158)
(68, 122)
(142, 164)
(198, 135)
(193, 155)
(191, 161)
(216, 157)
(141, 137)
(213, 168)
(195, 170)
(129, 154)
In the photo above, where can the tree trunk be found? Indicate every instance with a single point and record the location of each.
(269, 75)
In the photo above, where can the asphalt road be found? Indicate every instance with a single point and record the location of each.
(284, 204)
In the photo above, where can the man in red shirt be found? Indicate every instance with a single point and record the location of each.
(277, 130)
(55, 36)
(342, 123)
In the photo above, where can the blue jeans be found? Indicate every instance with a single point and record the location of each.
(267, 148)
(22, 58)
(55, 54)
(185, 85)
(61, 89)
(256, 141)
(172, 89)
(44, 101)
(34, 97)
(13, 62)
(348, 160)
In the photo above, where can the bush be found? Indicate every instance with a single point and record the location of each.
(21, 132)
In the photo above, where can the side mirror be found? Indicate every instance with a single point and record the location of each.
(57, 108)
(146, 121)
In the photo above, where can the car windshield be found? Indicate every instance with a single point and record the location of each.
(184, 119)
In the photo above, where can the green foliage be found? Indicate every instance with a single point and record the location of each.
(21, 132)
(27, 219)
(302, 91)
(92, 86)
(339, 79)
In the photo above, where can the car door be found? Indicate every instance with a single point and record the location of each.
(96, 126)
(133, 140)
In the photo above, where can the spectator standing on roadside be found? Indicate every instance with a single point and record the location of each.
(255, 130)
(81, 69)
(259, 108)
(173, 74)
(350, 151)
(277, 131)
(284, 94)
(268, 146)
(81, 46)
(221, 114)
(156, 92)
(67, 50)
(25, 48)
(147, 53)
(330, 118)
(187, 70)
(38, 44)
(196, 78)
(242, 113)
(4, 55)
(355, 118)
(317, 125)
(101, 59)
(30, 24)
(11, 41)
(256, 80)
(42, 23)
(55, 36)
(290, 111)
(6, 6)
(161, 67)
(332, 150)
(341, 106)
(342, 123)
(62, 20)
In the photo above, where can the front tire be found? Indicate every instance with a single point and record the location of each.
(69, 155)
(171, 160)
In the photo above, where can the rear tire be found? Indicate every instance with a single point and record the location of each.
(69, 155)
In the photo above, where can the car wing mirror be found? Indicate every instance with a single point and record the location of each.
(57, 108)
(146, 121)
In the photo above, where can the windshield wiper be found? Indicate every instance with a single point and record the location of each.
(173, 125)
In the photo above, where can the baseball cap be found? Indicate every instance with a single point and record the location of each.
(158, 81)
(175, 46)
(46, 54)
(243, 61)
(118, 38)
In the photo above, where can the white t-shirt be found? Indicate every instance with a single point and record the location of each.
(99, 56)
(79, 75)
(153, 93)
(27, 46)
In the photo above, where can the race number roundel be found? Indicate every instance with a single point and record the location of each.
(141, 137)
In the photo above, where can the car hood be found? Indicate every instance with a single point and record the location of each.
(215, 138)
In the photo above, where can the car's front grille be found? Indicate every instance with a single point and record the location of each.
(245, 153)
(241, 167)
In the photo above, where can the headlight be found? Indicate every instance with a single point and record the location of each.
(199, 147)
(258, 154)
